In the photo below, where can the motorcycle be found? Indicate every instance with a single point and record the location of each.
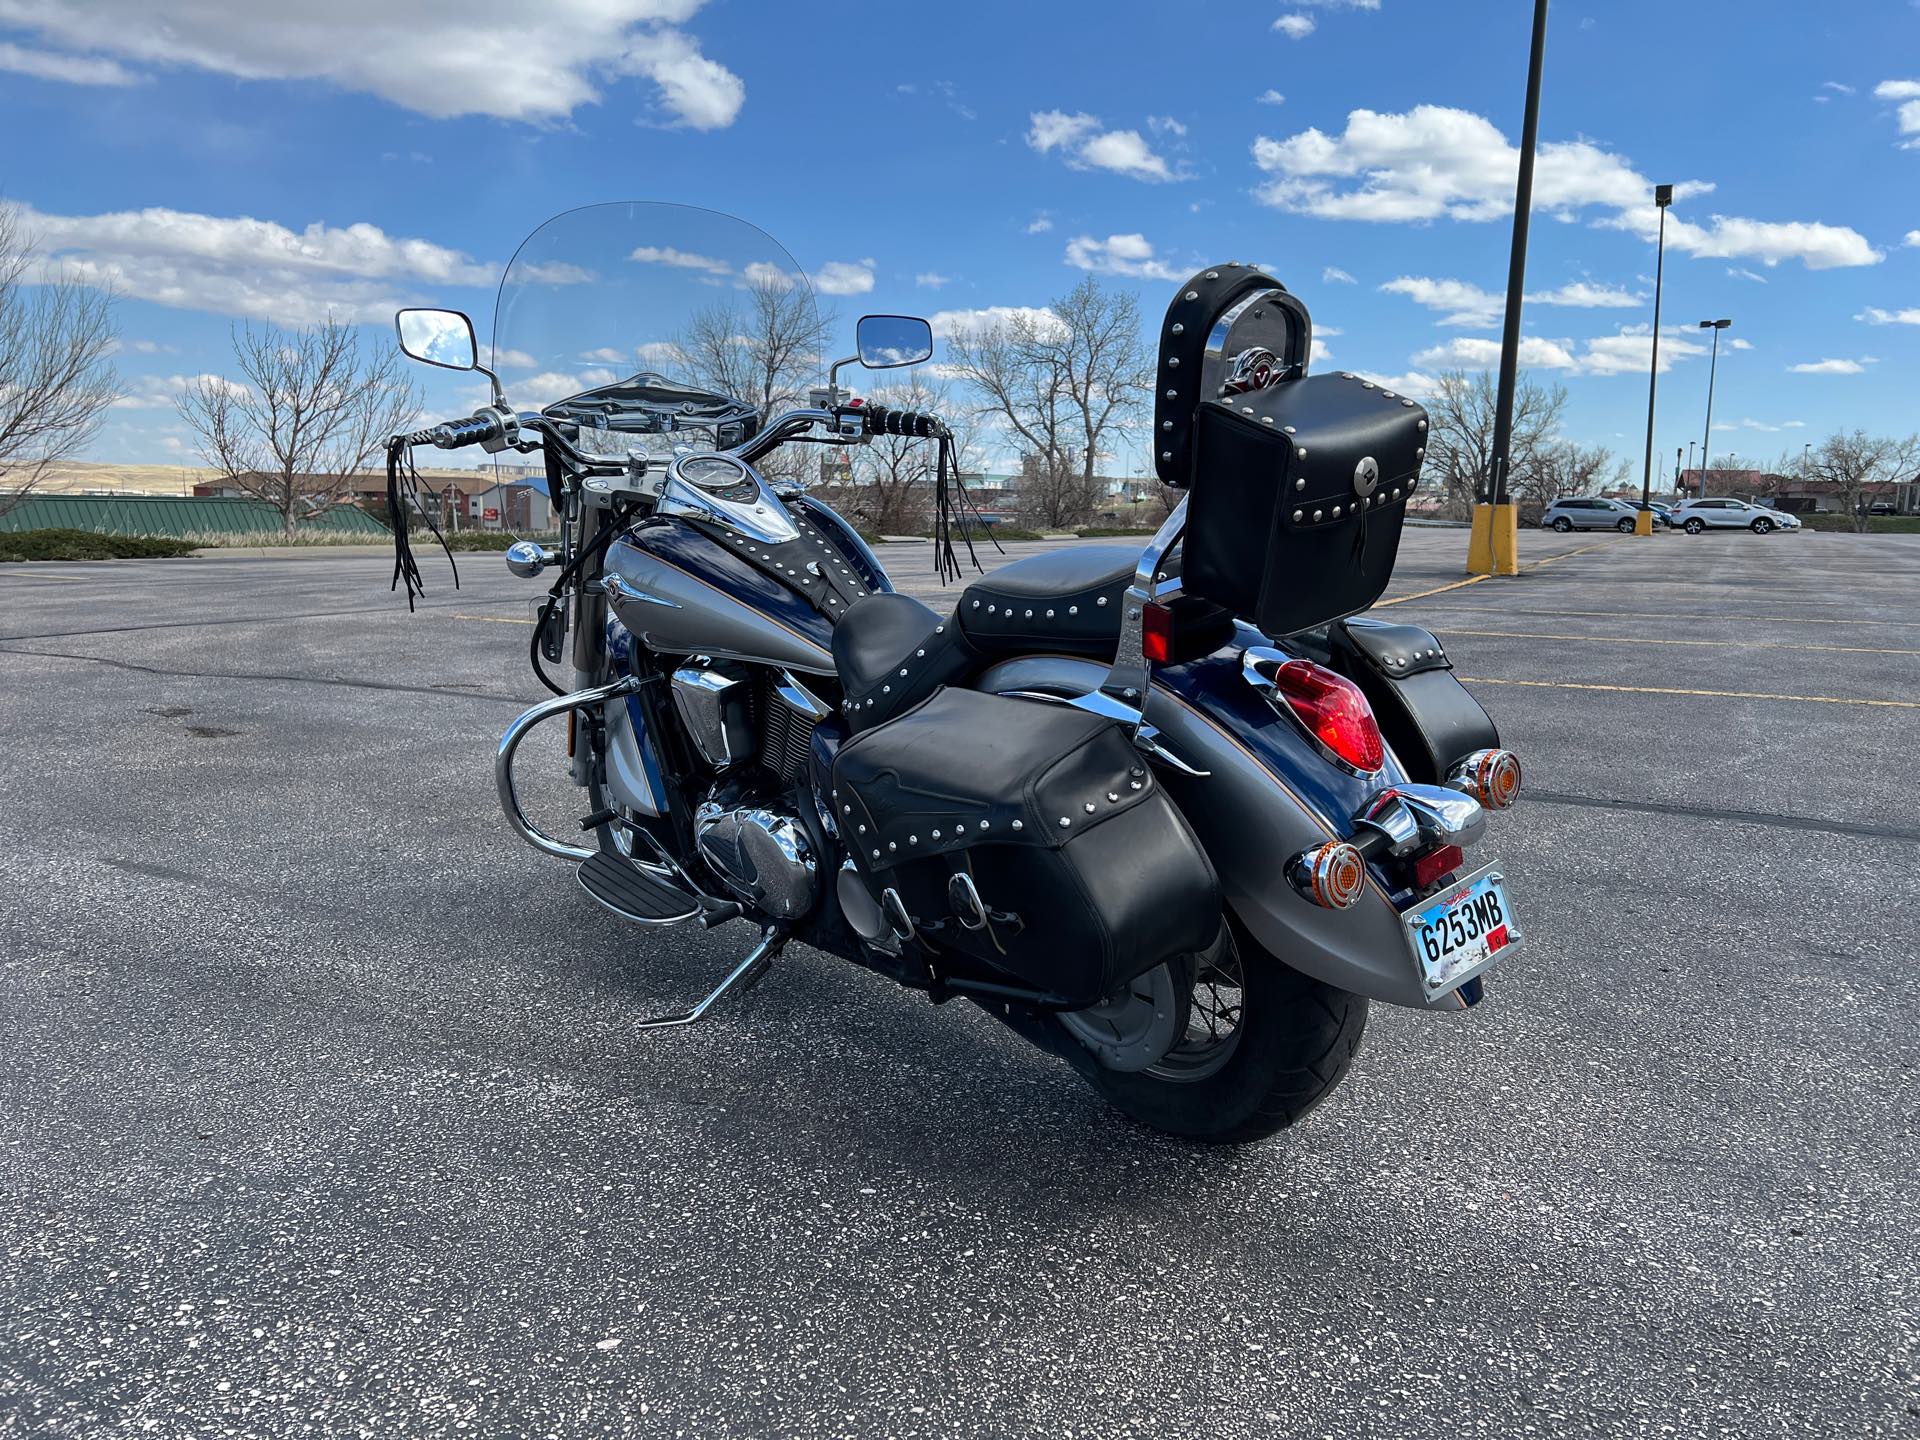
(1175, 813)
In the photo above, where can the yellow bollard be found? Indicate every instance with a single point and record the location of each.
(1643, 523)
(1494, 545)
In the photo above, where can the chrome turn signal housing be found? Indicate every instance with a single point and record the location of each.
(1490, 776)
(1333, 875)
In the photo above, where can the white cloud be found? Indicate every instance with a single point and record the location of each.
(1874, 315)
(500, 58)
(511, 359)
(1040, 224)
(1626, 351)
(1334, 275)
(162, 392)
(1913, 238)
(660, 352)
(1086, 146)
(1120, 255)
(1837, 87)
(1582, 295)
(1762, 426)
(1907, 113)
(932, 280)
(1270, 97)
(551, 385)
(1471, 352)
(67, 69)
(1466, 304)
(947, 323)
(1435, 162)
(1735, 272)
(236, 265)
(1413, 383)
(1294, 27)
(1832, 367)
(1165, 125)
(1054, 129)
(606, 355)
(764, 276)
(1739, 344)
(844, 277)
(1629, 350)
(680, 259)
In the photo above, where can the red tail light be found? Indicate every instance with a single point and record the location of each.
(1435, 863)
(1333, 711)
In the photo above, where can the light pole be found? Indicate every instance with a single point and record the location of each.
(1494, 545)
(1643, 522)
(1712, 365)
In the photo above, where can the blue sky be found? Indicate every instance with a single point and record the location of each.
(215, 160)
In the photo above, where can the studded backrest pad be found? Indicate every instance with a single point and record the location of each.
(1298, 499)
(1197, 309)
(964, 769)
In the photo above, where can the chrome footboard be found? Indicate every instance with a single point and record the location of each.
(510, 742)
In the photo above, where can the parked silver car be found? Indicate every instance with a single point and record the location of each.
(1584, 514)
(1719, 513)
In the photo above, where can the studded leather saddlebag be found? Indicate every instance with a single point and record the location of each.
(1028, 837)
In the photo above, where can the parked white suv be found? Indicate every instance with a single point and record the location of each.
(1729, 514)
(1583, 514)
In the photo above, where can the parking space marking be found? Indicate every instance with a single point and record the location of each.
(1692, 694)
(1438, 589)
(1706, 644)
(487, 619)
(37, 575)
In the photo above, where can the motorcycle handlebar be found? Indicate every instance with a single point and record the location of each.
(455, 434)
(884, 420)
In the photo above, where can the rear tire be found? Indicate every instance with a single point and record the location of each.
(1295, 1039)
(1561, 524)
(1695, 526)
(1625, 527)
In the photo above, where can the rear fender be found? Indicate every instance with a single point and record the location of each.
(1268, 796)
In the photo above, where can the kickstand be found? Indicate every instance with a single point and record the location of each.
(744, 976)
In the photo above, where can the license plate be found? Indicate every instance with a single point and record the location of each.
(1461, 930)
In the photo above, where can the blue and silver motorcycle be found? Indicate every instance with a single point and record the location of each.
(1176, 813)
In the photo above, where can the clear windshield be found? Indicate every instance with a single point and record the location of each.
(702, 301)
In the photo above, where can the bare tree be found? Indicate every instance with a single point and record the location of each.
(1566, 468)
(1460, 443)
(311, 412)
(763, 344)
(56, 380)
(1064, 383)
(1857, 467)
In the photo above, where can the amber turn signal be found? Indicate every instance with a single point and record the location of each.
(1333, 875)
(1490, 776)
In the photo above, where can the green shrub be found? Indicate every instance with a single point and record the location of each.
(1876, 524)
(1104, 532)
(85, 545)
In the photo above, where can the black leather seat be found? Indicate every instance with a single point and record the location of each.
(1064, 602)
(892, 652)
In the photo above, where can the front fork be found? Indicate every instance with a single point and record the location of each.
(587, 617)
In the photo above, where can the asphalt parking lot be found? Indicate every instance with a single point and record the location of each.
(321, 1113)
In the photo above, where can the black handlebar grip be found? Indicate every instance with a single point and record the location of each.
(883, 420)
(453, 434)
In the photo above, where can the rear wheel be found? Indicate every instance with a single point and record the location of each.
(1562, 524)
(1625, 527)
(1695, 526)
(1263, 1045)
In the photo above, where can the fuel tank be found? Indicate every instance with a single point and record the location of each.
(683, 593)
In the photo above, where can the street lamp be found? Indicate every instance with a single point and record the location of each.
(1716, 326)
(1643, 523)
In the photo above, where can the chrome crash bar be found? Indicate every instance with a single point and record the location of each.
(510, 742)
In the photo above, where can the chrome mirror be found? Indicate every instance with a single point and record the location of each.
(886, 342)
(438, 337)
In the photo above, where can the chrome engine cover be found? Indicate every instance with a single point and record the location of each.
(761, 855)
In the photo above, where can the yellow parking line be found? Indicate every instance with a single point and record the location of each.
(1422, 594)
(1657, 640)
(37, 575)
(1696, 694)
(488, 619)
